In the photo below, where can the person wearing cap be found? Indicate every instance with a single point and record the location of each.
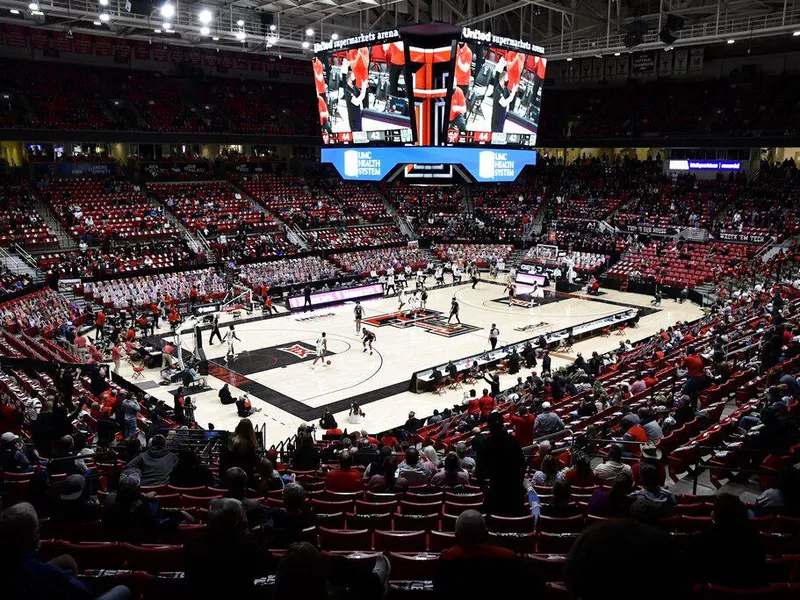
(155, 463)
(650, 455)
(73, 505)
(547, 422)
(651, 491)
(129, 508)
(12, 456)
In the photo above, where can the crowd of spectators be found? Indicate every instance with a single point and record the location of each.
(465, 255)
(380, 261)
(288, 271)
(21, 225)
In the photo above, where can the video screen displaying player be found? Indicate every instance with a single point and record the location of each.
(361, 91)
(495, 91)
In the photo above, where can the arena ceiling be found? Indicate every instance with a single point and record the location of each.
(566, 28)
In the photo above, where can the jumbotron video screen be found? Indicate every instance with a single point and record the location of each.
(400, 87)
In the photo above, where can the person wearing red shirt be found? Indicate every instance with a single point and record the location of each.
(515, 62)
(463, 68)
(389, 441)
(522, 422)
(651, 380)
(319, 76)
(359, 65)
(487, 404)
(458, 110)
(116, 355)
(474, 406)
(396, 55)
(193, 295)
(324, 117)
(344, 479)
(695, 376)
(99, 321)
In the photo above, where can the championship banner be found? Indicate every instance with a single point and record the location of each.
(643, 63)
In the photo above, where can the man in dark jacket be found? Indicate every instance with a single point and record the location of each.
(500, 460)
(155, 463)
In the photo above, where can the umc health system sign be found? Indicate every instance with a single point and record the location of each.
(373, 164)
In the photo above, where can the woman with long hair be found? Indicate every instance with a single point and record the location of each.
(547, 473)
(241, 449)
(356, 415)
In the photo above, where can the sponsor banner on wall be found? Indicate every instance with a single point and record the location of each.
(254, 167)
(159, 170)
(61, 42)
(82, 43)
(650, 230)
(665, 64)
(74, 169)
(696, 60)
(643, 63)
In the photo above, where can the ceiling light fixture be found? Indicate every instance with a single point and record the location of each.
(569, 59)
(334, 36)
(309, 32)
(204, 31)
(616, 53)
(14, 11)
(33, 6)
(273, 27)
(104, 17)
(731, 41)
(796, 34)
(103, 2)
(240, 35)
(167, 10)
(97, 23)
(215, 38)
(166, 25)
(157, 30)
(205, 16)
(305, 44)
(240, 22)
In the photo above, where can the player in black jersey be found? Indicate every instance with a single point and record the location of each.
(369, 337)
(358, 311)
(454, 311)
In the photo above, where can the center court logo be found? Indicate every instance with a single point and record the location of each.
(298, 350)
(360, 162)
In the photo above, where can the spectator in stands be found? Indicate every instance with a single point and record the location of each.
(651, 427)
(189, 471)
(25, 576)
(235, 481)
(651, 491)
(413, 470)
(64, 459)
(560, 506)
(638, 385)
(306, 456)
(650, 455)
(685, 412)
(344, 478)
(226, 561)
(129, 509)
(547, 473)
(696, 379)
(500, 460)
(613, 466)
(580, 473)
(615, 502)
(13, 458)
(73, 505)
(384, 478)
(467, 462)
(156, 463)
(268, 478)
(284, 526)
(547, 422)
(730, 552)
(130, 411)
(523, 424)
(783, 498)
(600, 550)
(451, 476)
(412, 423)
(491, 569)
(241, 449)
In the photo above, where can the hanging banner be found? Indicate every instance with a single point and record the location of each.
(695, 61)
(665, 64)
(643, 64)
(610, 68)
(597, 69)
(178, 54)
(241, 62)
(586, 69)
(210, 58)
(681, 61)
(122, 51)
(256, 63)
(160, 53)
(142, 51)
(102, 46)
(82, 43)
(622, 67)
(61, 42)
(15, 36)
(40, 39)
(195, 57)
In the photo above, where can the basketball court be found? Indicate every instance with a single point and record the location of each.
(274, 359)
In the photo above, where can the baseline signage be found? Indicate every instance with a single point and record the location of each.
(68, 169)
(353, 293)
(705, 165)
(373, 164)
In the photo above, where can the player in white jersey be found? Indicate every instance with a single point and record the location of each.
(230, 335)
(402, 298)
(322, 348)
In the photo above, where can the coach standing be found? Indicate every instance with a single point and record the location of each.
(494, 333)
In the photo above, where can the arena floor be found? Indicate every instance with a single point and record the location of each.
(274, 357)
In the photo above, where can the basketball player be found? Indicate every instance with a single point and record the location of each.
(322, 348)
(512, 291)
(402, 298)
(390, 283)
(454, 308)
(473, 273)
(413, 303)
(423, 298)
(230, 335)
(369, 337)
(439, 275)
(215, 331)
(358, 311)
(534, 291)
